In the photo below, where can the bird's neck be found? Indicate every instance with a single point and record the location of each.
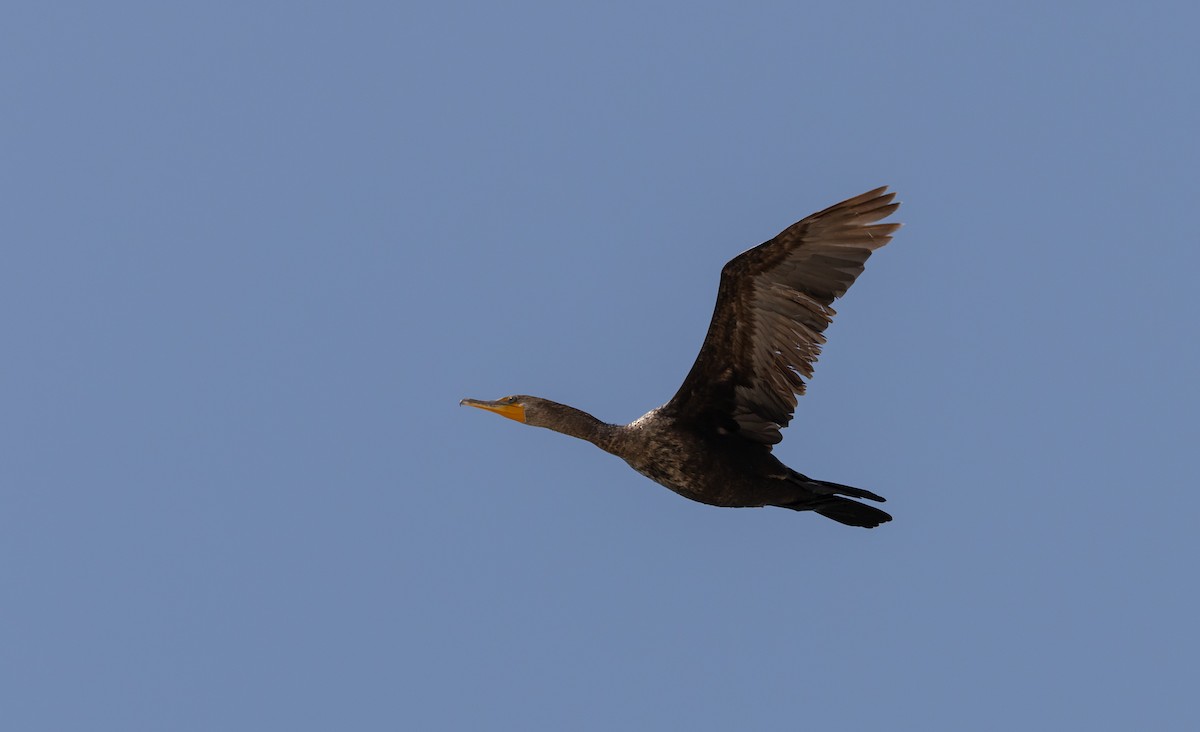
(578, 423)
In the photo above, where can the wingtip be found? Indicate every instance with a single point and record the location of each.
(875, 199)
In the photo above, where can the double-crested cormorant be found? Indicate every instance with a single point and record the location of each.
(712, 441)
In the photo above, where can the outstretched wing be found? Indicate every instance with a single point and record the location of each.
(772, 307)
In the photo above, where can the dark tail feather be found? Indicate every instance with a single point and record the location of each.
(851, 513)
(825, 498)
(842, 510)
(846, 490)
(827, 488)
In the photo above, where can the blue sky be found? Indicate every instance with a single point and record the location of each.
(256, 253)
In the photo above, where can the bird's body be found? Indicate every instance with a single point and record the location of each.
(712, 441)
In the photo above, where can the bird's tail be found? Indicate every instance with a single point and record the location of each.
(826, 488)
(851, 513)
(826, 499)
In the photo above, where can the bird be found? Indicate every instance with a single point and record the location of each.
(712, 441)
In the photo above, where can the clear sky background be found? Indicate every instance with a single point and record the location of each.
(255, 253)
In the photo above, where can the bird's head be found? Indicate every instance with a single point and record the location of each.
(538, 412)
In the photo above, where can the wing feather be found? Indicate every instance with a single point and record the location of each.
(773, 306)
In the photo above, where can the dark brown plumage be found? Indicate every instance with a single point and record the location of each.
(712, 441)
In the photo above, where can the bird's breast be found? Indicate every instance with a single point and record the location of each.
(680, 460)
